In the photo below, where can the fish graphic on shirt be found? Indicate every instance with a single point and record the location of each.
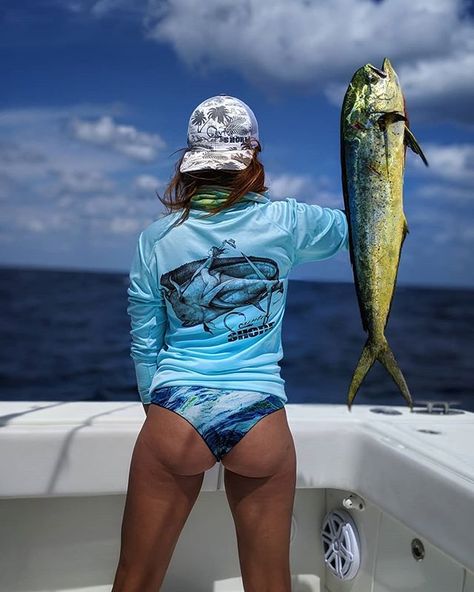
(202, 290)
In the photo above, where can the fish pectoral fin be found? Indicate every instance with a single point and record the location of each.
(406, 230)
(411, 142)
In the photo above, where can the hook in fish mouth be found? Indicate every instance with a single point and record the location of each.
(381, 73)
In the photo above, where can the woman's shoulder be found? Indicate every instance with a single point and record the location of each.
(158, 228)
(281, 212)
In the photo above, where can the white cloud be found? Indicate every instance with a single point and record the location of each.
(451, 193)
(36, 144)
(123, 225)
(22, 160)
(442, 85)
(50, 182)
(38, 219)
(441, 216)
(319, 45)
(84, 182)
(23, 117)
(126, 139)
(147, 185)
(437, 88)
(102, 8)
(103, 206)
(452, 162)
(286, 185)
(305, 188)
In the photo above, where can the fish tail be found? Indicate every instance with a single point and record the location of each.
(386, 357)
(373, 351)
(365, 363)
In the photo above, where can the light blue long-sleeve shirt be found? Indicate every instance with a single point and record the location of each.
(206, 298)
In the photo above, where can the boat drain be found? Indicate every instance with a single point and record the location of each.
(340, 544)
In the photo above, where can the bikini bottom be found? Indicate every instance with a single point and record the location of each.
(222, 417)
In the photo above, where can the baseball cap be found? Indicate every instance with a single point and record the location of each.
(217, 130)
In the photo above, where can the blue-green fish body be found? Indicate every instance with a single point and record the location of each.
(374, 136)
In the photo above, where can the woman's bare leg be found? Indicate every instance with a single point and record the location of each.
(166, 474)
(260, 481)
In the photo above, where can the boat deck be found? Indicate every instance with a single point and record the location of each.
(417, 467)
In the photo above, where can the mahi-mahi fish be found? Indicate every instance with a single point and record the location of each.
(374, 136)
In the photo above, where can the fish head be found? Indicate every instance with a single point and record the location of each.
(371, 92)
(393, 100)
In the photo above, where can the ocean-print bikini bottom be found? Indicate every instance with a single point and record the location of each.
(221, 416)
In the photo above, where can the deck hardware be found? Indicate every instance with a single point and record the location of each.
(341, 544)
(353, 502)
(417, 549)
(385, 411)
(438, 407)
(427, 431)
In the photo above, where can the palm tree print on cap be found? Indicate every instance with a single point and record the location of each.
(198, 119)
(219, 114)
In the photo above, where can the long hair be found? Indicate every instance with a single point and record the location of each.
(182, 186)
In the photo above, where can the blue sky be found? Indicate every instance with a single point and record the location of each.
(97, 96)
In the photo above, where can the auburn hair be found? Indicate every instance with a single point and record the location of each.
(182, 186)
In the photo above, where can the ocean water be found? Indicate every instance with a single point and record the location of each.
(65, 336)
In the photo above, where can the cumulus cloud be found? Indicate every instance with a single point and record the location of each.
(451, 194)
(287, 185)
(21, 160)
(102, 8)
(441, 219)
(439, 201)
(452, 162)
(52, 116)
(146, 182)
(50, 182)
(318, 45)
(124, 225)
(126, 139)
(307, 188)
(84, 182)
(36, 144)
(438, 89)
(26, 218)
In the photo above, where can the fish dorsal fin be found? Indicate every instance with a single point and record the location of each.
(388, 117)
(410, 141)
